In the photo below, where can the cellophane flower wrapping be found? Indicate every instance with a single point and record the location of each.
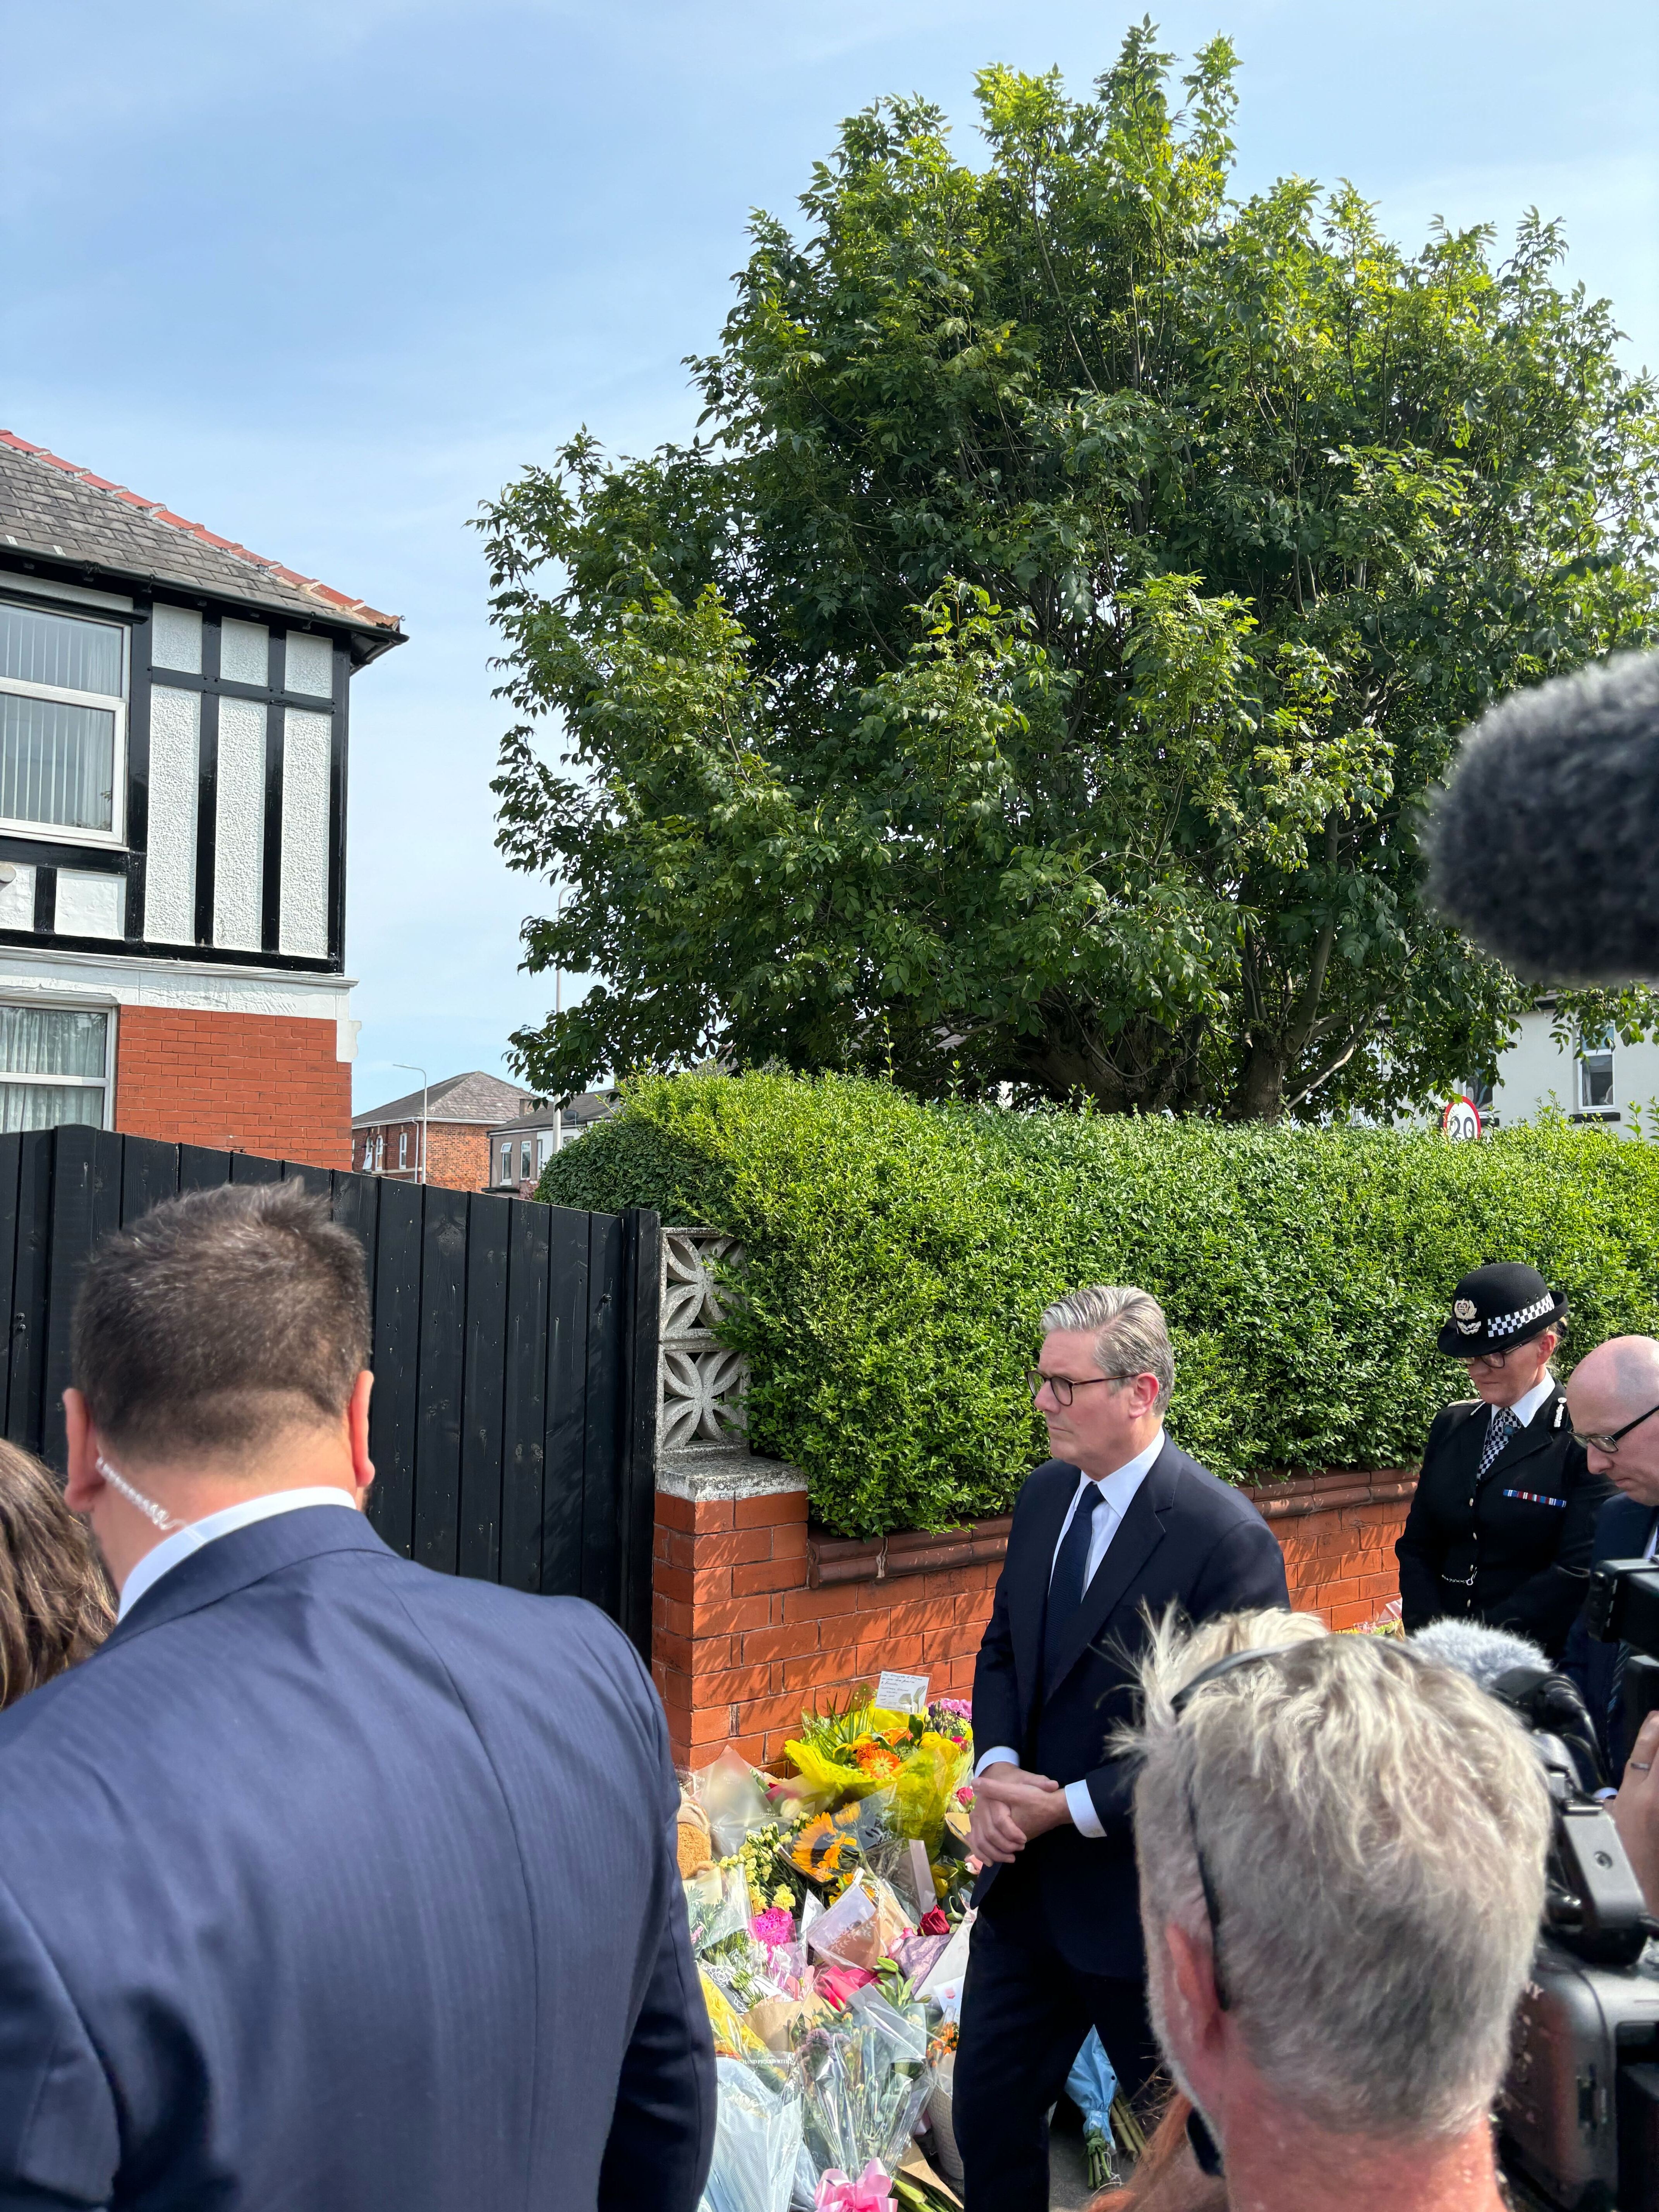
(865, 2078)
(757, 2137)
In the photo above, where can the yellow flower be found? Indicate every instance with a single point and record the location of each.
(819, 1847)
(785, 1896)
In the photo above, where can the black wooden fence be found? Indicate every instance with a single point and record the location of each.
(514, 1421)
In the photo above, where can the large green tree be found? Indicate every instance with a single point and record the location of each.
(1035, 676)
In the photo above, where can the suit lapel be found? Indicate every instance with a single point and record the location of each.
(1538, 1433)
(1030, 1602)
(1132, 1544)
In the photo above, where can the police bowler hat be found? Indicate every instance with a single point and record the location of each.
(1497, 1305)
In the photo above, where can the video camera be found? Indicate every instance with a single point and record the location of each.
(1580, 2110)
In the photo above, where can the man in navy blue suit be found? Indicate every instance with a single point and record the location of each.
(1118, 1524)
(328, 1881)
(1613, 1398)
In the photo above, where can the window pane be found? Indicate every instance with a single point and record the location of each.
(52, 1041)
(47, 1105)
(77, 656)
(56, 763)
(1597, 1068)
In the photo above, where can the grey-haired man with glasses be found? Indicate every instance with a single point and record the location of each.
(1119, 1525)
(1613, 1397)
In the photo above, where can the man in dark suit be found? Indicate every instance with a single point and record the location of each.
(1118, 1524)
(328, 1881)
(1612, 1396)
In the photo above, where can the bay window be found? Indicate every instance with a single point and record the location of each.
(62, 723)
(54, 1066)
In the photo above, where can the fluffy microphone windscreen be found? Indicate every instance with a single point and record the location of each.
(1545, 847)
(1484, 1655)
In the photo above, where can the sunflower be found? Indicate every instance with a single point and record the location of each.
(817, 1852)
(878, 1760)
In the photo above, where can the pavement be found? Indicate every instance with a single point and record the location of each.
(1068, 2162)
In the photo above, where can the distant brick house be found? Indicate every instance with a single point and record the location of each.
(172, 812)
(461, 1111)
(520, 1148)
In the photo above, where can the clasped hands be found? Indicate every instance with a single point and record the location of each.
(1010, 1807)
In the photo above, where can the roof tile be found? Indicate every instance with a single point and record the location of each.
(48, 504)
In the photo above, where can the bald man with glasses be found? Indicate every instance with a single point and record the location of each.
(1613, 1397)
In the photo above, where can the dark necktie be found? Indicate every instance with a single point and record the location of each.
(1067, 1584)
(1503, 1426)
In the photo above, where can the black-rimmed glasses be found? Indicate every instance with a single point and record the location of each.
(1064, 1385)
(1609, 1442)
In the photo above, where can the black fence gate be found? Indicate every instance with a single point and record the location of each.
(513, 1420)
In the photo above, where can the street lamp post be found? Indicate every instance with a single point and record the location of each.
(410, 1068)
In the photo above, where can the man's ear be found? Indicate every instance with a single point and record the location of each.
(362, 1467)
(1192, 1970)
(85, 1486)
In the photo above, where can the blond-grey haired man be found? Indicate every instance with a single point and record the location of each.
(1341, 1850)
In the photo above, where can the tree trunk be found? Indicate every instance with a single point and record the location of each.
(1259, 1094)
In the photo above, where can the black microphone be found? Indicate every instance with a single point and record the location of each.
(1542, 847)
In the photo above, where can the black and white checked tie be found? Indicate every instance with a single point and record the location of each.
(1503, 1426)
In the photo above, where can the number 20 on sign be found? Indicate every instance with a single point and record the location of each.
(1459, 1118)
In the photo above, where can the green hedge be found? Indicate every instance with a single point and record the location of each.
(900, 1254)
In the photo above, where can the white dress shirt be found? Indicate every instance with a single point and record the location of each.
(1117, 1492)
(194, 1533)
(1524, 1408)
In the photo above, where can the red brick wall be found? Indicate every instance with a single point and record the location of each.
(740, 1644)
(269, 1083)
(1341, 1562)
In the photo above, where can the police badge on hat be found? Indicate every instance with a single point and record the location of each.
(1497, 1305)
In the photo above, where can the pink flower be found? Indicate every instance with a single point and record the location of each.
(772, 1927)
(965, 1795)
(933, 1924)
(836, 1983)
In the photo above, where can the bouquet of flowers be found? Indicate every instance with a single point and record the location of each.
(757, 2138)
(823, 2050)
(866, 2079)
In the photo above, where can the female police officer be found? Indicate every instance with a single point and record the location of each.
(1501, 1528)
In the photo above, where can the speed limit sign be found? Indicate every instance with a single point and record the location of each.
(1459, 1118)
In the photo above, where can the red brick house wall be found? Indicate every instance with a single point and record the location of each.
(458, 1152)
(269, 1084)
(752, 1619)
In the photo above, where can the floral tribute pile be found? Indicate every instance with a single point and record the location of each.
(829, 1911)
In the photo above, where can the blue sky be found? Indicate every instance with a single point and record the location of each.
(324, 274)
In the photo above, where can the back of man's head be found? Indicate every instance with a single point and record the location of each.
(1374, 1830)
(219, 1319)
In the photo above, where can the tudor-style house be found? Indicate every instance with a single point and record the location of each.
(172, 812)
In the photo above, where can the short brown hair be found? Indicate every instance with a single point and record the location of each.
(55, 1607)
(220, 1318)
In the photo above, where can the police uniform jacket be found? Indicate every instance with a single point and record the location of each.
(1511, 1547)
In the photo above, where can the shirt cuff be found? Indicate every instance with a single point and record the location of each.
(1084, 1818)
(990, 1757)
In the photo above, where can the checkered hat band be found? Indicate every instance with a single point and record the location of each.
(1506, 1324)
